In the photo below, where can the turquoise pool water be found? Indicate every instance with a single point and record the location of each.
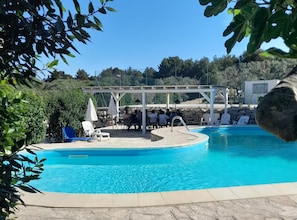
(235, 156)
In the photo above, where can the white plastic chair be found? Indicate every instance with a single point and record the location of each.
(216, 119)
(92, 132)
(243, 120)
(225, 119)
(205, 119)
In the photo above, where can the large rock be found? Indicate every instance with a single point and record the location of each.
(277, 111)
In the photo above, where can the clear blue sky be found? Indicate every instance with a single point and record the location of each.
(144, 32)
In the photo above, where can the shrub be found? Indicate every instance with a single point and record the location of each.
(66, 108)
(35, 119)
(16, 170)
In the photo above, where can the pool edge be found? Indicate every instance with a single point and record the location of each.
(65, 200)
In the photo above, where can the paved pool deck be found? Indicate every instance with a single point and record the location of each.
(269, 201)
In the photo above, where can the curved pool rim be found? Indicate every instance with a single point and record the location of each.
(49, 199)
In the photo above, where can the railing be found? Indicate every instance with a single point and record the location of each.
(181, 120)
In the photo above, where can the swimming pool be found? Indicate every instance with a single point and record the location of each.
(235, 156)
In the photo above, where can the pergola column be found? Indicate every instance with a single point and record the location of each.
(212, 98)
(117, 97)
(226, 94)
(143, 112)
(167, 100)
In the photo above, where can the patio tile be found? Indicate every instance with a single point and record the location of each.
(31, 199)
(98, 200)
(200, 196)
(286, 188)
(266, 190)
(150, 199)
(125, 200)
(245, 192)
(175, 197)
(74, 200)
(49, 199)
(222, 194)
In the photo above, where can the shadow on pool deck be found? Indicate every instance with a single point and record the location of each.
(125, 133)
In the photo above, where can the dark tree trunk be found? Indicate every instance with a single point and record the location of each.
(277, 111)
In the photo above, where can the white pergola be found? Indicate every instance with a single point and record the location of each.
(209, 92)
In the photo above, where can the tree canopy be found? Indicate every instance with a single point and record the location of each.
(29, 29)
(259, 20)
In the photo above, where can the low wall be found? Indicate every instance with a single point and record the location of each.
(192, 116)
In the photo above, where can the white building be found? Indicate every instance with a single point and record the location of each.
(253, 90)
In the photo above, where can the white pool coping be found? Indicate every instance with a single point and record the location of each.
(64, 200)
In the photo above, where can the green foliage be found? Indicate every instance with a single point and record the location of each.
(35, 120)
(31, 28)
(227, 70)
(82, 75)
(62, 84)
(170, 67)
(215, 7)
(261, 21)
(66, 108)
(58, 75)
(16, 170)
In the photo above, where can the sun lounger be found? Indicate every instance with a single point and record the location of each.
(92, 132)
(243, 120)
(70, 136)
(225, 119)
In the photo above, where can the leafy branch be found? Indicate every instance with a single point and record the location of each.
(260, 21)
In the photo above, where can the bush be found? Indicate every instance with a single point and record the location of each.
(66, 108)
(16, 170)
(35, 119)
